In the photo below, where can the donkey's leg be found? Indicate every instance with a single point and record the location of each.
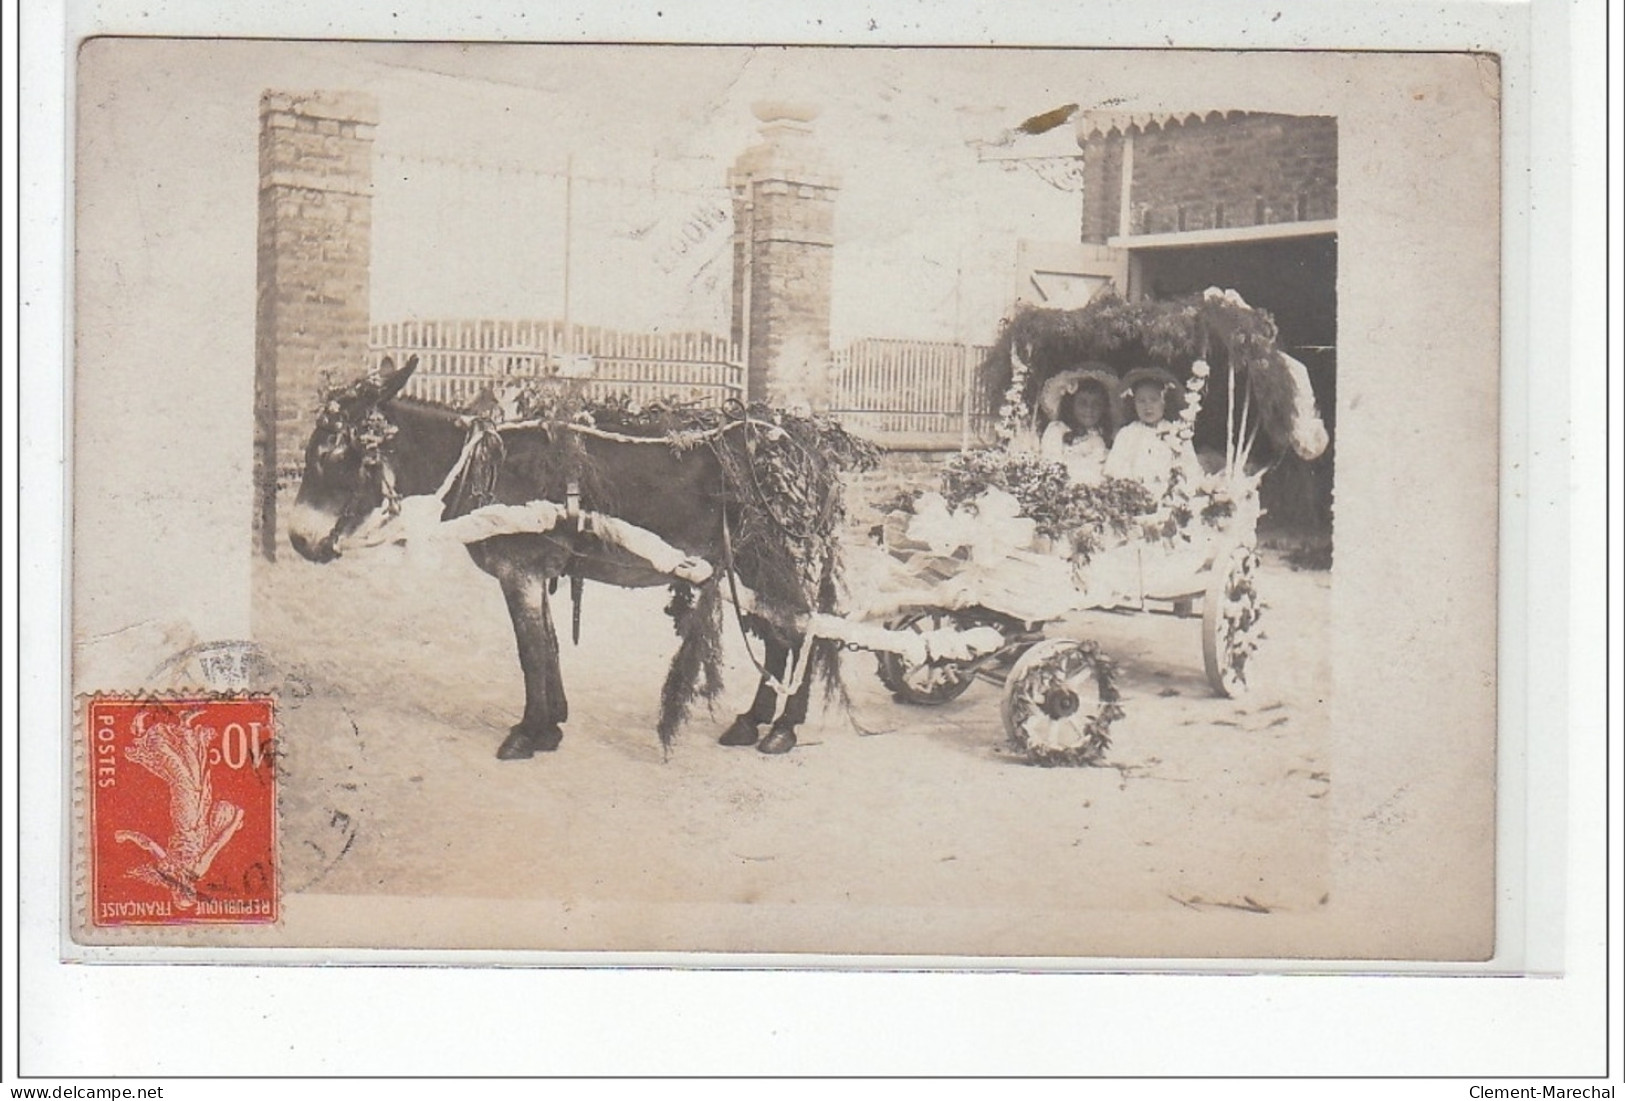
(545, 705)
(782, 737)
(766, 704)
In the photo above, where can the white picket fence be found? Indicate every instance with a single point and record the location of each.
(905, 392)
(915, 391)
(459, 358)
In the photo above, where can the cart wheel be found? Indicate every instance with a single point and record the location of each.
(931, 682)
(1230, 616)
(1060, 703)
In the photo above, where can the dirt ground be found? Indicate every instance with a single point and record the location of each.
(400, 680)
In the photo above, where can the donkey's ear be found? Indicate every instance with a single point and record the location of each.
(393, 379)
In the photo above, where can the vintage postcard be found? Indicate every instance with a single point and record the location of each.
(872, 504)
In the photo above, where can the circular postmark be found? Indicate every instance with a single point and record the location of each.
(318, 751)
(233, 665)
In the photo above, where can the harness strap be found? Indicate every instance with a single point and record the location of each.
(799, 657)
(572, 503)
(477, 431)
(738, 604)
(576, 588)
(572, 515)
(386, 485)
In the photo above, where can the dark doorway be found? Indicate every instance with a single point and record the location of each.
(1295, 279)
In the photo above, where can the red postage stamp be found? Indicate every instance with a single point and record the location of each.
(182, 810)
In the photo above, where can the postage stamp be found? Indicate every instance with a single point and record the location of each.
(182, 810)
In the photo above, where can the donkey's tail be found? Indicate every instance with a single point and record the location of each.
(696, 668)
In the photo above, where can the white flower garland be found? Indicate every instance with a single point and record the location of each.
(1014, 412)
(1195, 387)
(1177, 434)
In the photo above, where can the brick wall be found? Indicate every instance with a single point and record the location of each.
(1102, 187)
(1239, 170)
(899, 470)
(315, 250)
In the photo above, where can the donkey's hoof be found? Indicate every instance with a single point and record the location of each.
(517, 746)
(521, 744)
(742, 732)
(781, 739)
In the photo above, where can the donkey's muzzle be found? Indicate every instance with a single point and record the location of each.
(313, 533)
(317, 550)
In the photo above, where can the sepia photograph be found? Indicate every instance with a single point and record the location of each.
(821, 503)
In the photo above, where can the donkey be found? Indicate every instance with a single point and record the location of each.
(371, 447)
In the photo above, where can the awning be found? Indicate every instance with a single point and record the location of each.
(1090, 124)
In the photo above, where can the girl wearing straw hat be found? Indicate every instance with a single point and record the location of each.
(1083, 413)
(1147, 451)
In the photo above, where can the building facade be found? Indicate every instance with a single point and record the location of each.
(1174, 203)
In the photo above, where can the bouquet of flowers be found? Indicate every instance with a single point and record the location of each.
(1081, 515)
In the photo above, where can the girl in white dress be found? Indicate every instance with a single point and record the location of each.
(1078, 438)
(1081, 406)
(1149, 450)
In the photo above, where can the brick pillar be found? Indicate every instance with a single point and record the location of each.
(784, 247)
(315, 253)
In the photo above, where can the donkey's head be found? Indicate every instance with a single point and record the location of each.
(348, 474)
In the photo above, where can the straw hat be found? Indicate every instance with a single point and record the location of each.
(1065, 383)
(1158, 375)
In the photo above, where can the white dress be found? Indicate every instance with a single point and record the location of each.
(1084, 456)
(1147, 456)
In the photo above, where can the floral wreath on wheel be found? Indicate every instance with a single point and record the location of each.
(1040, 731)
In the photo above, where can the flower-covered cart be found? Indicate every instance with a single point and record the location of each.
(965, 583)
(1011, 544)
